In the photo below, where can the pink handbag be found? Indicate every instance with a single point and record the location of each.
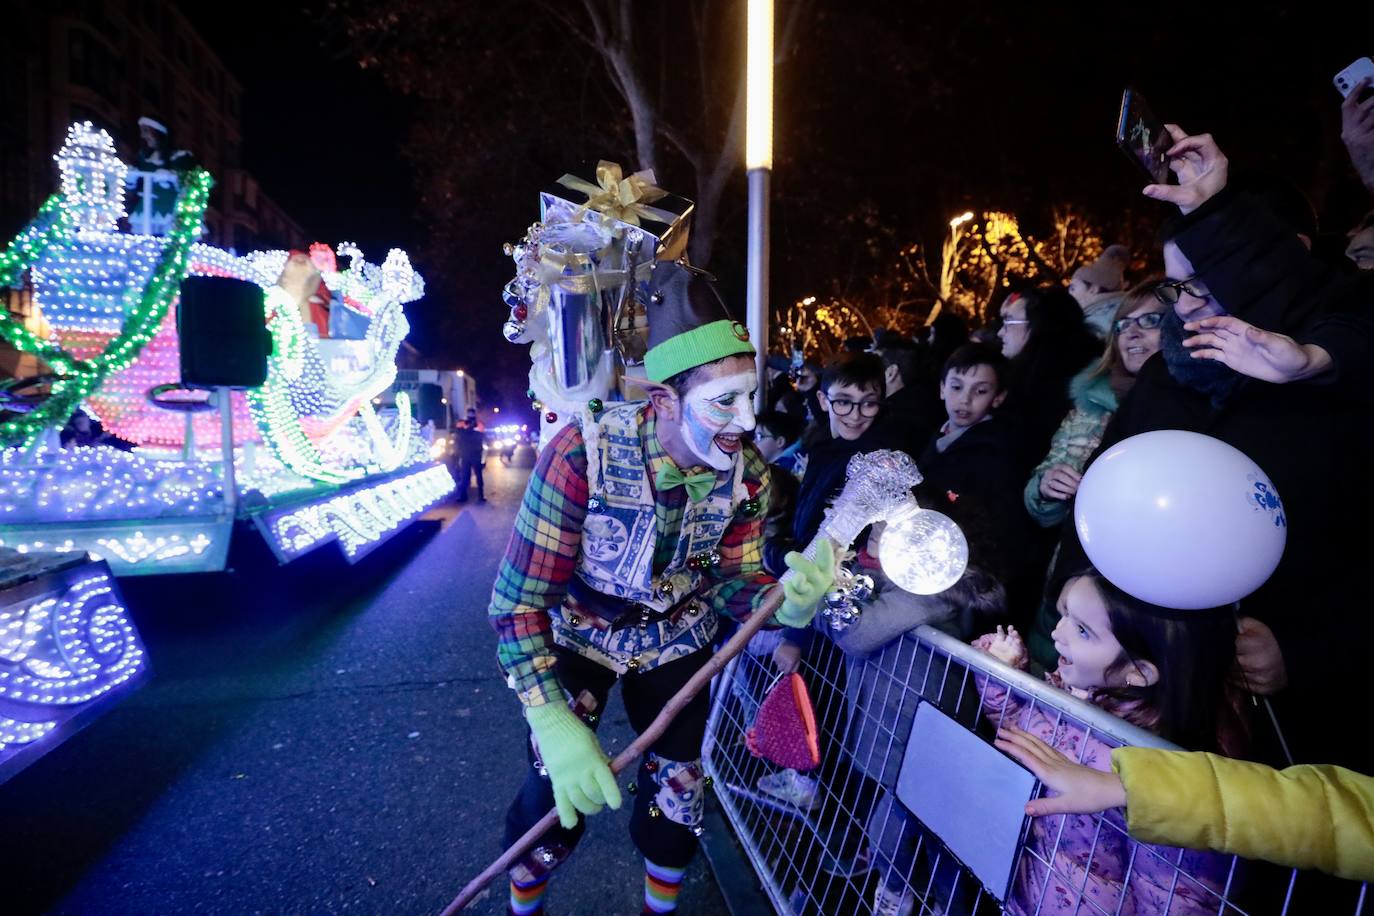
(784, 730)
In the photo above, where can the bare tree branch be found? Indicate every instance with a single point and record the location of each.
(783, 48)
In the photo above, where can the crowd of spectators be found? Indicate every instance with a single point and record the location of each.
(1236, 326)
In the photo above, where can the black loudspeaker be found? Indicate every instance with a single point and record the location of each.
(429, 404)
(223, 333)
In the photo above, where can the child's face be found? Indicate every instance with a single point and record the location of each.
(970, 395)
(1089, 655)
(851, 409)
(769, 444)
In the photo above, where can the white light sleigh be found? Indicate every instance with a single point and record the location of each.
(306, 457)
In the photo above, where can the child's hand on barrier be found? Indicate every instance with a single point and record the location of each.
(1005, 645)
(1078, 789)
(787, 658)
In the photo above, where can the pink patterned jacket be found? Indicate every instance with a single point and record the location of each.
(1082, 864)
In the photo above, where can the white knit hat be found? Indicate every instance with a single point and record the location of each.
(1108, 272)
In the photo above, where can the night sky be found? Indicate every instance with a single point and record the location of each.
(909, 113)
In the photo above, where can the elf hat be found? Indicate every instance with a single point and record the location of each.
(689, 324)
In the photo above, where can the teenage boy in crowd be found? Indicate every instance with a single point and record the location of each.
(970, 469)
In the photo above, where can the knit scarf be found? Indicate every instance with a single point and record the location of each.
(1214, 379)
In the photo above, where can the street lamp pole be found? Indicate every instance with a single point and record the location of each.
(758, 162)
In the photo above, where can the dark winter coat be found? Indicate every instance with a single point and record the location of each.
(1306, 437)
(977, 481)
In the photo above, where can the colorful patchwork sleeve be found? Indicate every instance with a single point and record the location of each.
(540, 561)
(740, 581)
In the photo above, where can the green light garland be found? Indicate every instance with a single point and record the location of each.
(54, 223)
(270, 404)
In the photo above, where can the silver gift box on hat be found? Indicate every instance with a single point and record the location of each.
(583, 270)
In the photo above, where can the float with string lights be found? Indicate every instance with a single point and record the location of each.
(308, 444)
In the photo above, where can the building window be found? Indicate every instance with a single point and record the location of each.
(152, 93)
(90, 64)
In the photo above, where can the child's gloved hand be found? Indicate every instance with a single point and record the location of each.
(582, 780)
(804, 590)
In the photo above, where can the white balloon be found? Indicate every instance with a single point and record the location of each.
(1180, 520)
(923, 552)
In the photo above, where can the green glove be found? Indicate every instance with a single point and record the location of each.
(811, 580)
(577, 766)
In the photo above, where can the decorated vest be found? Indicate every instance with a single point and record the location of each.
(618, 539)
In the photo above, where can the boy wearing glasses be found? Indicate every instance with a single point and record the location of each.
(850, 394)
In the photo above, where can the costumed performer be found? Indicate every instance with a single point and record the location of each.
(638, 528)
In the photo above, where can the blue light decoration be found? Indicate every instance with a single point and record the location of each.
(360, 517)
(309, 448)
(67, 651)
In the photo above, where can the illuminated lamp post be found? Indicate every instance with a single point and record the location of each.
(758, 163)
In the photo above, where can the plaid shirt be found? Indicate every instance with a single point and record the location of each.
(542, 555)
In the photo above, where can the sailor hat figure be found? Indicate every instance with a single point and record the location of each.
(642, 524)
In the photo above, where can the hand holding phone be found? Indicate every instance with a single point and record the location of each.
(1143, 137)
(1201, 168)
(1357, 117)
(1350, 77)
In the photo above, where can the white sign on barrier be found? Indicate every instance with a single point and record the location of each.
(975, 806)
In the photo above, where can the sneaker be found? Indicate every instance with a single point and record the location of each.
(848, 867)
(790, 786)
(887, 902)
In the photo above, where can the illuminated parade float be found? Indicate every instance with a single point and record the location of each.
(304, 457)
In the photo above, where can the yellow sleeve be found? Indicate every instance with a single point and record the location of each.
(1318, 817)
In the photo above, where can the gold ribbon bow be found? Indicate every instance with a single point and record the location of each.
(617, 197)
(699, 486)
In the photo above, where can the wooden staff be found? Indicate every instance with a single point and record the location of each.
(878, 485)
(625, 758)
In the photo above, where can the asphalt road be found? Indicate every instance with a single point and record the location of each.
(317, 738)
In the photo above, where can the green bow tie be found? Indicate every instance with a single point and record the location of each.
(699, 486)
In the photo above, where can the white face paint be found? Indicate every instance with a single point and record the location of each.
(715, 414)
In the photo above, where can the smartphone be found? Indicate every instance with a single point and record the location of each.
(1142, 137)
(1349, 78)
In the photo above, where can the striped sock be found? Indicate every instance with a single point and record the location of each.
(527, 899)
(661, 887)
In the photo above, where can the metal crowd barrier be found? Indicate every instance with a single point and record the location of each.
(909, 729)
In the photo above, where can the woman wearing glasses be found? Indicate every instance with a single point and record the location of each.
(1043, 335)
(1133, 337)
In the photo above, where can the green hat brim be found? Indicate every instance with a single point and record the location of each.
(696, 347)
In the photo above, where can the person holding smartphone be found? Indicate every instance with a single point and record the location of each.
(1357, 129)
(1228, 253)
